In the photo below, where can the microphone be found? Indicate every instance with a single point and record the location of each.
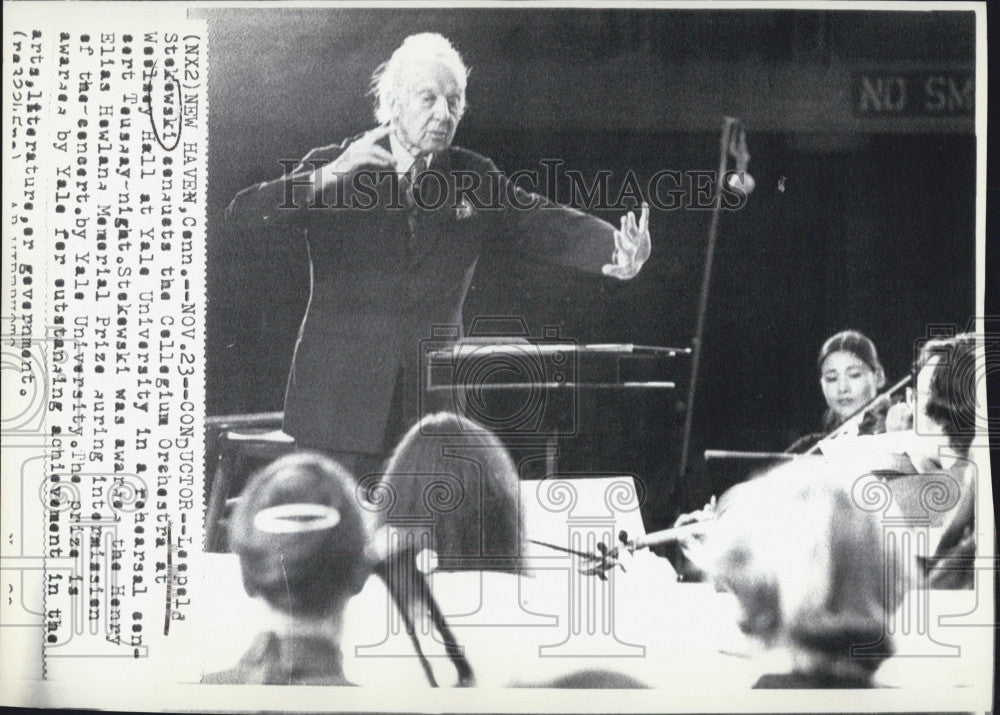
(740, 180)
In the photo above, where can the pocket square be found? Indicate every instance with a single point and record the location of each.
(464, 210)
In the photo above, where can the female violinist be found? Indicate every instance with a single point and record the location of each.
(850, 376)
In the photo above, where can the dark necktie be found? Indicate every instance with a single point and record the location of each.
(407, 182)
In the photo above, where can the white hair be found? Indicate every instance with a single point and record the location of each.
(422, 47)
(805, 557)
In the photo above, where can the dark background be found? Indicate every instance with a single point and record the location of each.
(874, 229)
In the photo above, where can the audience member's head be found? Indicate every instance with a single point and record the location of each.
(808, 567)
(300, 536)
(945, 394)
(850, 374)
(590, 679)
(457, 479)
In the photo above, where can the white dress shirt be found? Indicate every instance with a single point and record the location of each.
(404, 159)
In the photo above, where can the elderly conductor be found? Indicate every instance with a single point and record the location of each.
(395, 220)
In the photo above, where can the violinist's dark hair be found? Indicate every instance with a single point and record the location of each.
(457, 477)
(952, 398)
(307, 559)
(859, 345)
(855, 343)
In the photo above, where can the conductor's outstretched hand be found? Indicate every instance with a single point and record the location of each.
(632, 246)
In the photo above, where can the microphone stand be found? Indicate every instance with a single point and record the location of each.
(728, 126)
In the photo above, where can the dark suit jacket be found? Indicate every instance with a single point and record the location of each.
(377, 289)
(953, 564)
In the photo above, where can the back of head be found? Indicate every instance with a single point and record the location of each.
(809, 567)
(456, 478)
(592, 679)
(300, 535)
(950, 399)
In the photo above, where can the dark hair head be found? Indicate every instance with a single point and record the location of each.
(951, 401)
(455, 477)
(300, 535)
(855, 343)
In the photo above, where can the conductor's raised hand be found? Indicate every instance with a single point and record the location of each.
(632, 246)
(364, 152)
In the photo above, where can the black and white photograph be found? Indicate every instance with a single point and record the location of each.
(462, 357)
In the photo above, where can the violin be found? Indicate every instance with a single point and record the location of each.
(605, 559)
(850, 426)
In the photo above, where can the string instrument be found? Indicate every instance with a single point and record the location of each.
(891, 453)
(888, 454)
(605, 559)
(849, 428)
(417, 605)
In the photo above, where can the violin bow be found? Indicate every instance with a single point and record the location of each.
(606, 559)
(858, 415)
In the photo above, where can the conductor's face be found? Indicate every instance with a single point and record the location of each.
(428, 106)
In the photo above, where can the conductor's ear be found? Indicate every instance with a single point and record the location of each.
(394, 109)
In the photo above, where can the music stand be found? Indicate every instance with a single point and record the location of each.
(538, 368)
